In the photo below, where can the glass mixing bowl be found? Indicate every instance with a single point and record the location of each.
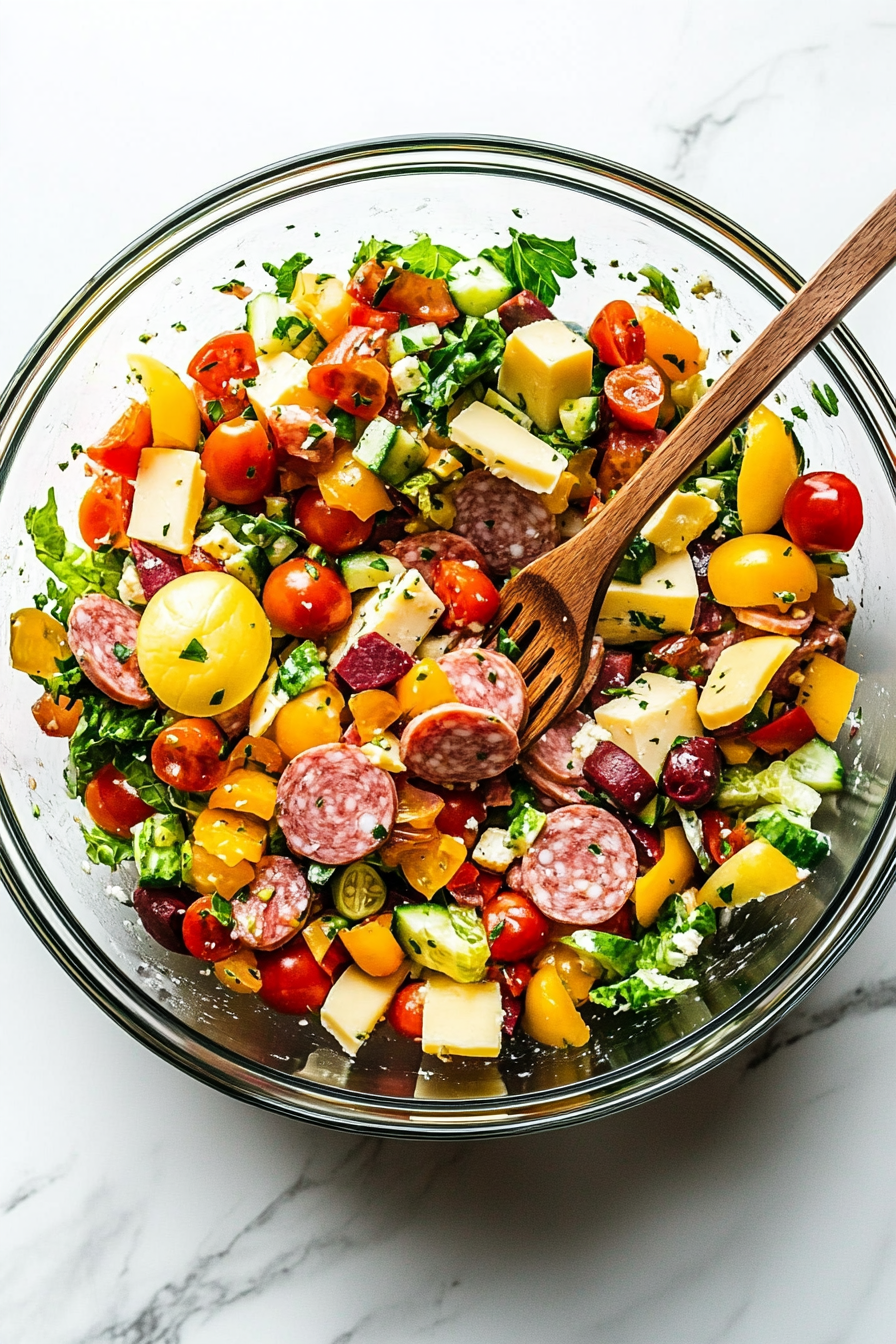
(72, 385)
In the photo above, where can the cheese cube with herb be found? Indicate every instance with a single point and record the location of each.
(648, 715)
(462, 1019)
(680, 519)
(282, 381)
(740, 676)
(545, 364)
(168, 496)
(494, 850)
(404, 610)
(506, 448)
(356, 1003)
(663, 603)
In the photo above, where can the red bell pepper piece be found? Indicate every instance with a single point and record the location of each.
(793, 729)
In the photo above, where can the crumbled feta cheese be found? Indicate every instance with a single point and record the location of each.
(130, 589)
(493, 850)
(407, 375)
(588, 737)
(119, 893)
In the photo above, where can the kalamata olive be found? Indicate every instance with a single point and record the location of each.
(614, 674)
(620, 776)
(692, 772)
(700, 552)
(162, 915)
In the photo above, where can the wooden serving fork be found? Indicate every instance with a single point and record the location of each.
(550, 608)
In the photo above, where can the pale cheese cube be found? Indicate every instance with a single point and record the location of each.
(461, 1019)
(545, 363)
(407, 376)
(647, 721)
(168, 497)
(282, 381)
(267, 702)
(403, 610)
(356, 1003)
(506, 449)
(494, 850)
(218, 543)
(663, 603)
(739, 677)
(130, 589)
(680, 519)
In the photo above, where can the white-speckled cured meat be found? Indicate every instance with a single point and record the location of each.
(334, 805)
(273, 910)
(487, 680)
(582, 868)
(97, 626)
(457, 744)
(510, 525)
(553, 756)
(423, 552)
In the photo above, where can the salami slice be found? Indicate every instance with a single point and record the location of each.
(553, 755)
(97, 626)
(560, 793)
(334, 805)
(457, 744)
(592, 672)
(234, 722)
(582, 868)
(273, 910)
(513, 878)
(423, 552)
(511, 526)
(488, 680)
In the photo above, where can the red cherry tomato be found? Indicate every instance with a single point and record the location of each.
(230, 355)
(362, 316)
(635, 394)
(204, 935)
(405, 1013)
(471, 599)
(306, 599)
(823, 511)
(239, 463)
(515, 927)
(188, 755)
(351, 372)
(105, 512)
(721, 838)
(291, 980)
(617, 335)
(119, 450)
(336, 530)
(514, 975)
(418, 297)
(624, 451)
(461, 806)
(114, 804)
(215, 409)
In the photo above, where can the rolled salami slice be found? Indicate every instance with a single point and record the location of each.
(335, 806)
(553, 755)
(273, 910)
(592, 672)
(560, 793)
(511, 526)
(425, 551)
(582, 868)
(488, 680)
(97, 627)
(457, 744)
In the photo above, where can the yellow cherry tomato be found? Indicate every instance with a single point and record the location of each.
(550, 1015)
(172, 406)
(230, 836)
(423, 687)
(416, 807)
(760, 570)
(373, 712)
(310, 720)
(768, 470)
(240, 972)
(37, 643)
(671, 347)
(247, 791)
(203, 643)
(211, 876)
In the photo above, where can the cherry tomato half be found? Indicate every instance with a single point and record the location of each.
(405, 1013)
(471, 599)
(617, 335)
(823, 511)
(230, 355)
(515, 927)
(721, 838)
(635, 394)
(188, 756)
(119, 450)
(239, 463)
(105, 512)
(336, 530)
(205, 936)
(624, 452)
(362, 316)
(57, 718)
(291, 980)
(351, 371)
(215, 409)
(460, 807)
(306, 599)
(114, 804)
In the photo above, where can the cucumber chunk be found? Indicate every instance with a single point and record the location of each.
(389, 451)
(478, 287)
(578, 416)
(412, 340)
(275, 326)
(158, 843)
(368, 569)
(817, 765)
(791, 833)
(451, 939)
(251, 566)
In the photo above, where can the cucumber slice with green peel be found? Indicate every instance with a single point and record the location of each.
(451, 939)
(368, 569)
(478, 287)
(817, 765)
(578, 416)
(310, 347)
(277, 507)
(389, 451)
(412, 340)
(275, 326)
(831, 563)
(499, 403)
(791, 833)
(251, 566)
(280, 549)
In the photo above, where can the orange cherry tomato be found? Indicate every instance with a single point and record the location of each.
(624, 452)
(114, 804)
(405, 1013)
(105, 512)
(362, 316)
(336, 530)
(215, 410)
(635, 394)
(352, 373)
(471, 599)
(306, 599)
(229, 356)
(291, 980)
(188, 755)
(240, 464)
(119, 450)
(204, 935)
(617, 335)
(57, 719)
(516, 928)
(417, 296)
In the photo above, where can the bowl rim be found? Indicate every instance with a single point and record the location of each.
(733, 1030)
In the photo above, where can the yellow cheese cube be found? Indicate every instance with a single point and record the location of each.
(356, 1003)
(283, 381)
(739, 678)
(826, 694)
(545, 363)
(462, 1019)
(680, 519)
(506, 448)
(663, 603)
(755, 871)
(402, 610)
(168, 497)
(647, 722)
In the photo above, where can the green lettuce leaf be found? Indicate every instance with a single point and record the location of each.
(464, 357)
(107, 732)
(301, 671)
(639, 991)
(104, 848)
(78, 571)
(425, 257)
(534, 263)
(285, 274)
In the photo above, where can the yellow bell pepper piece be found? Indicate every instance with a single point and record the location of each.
(755, 871)
(211, 876)
(423, 687)
(230, 836)
(247, 791)
(310, 720)
(373, 947)
(826, 694)
(664, 337)
(826, 602)
(665, 878)
(37, 643)
(373, 712)
(428, 869)
(324, 302)
(320, 935)
(416, 807)
(240, 972)
(579, 465)
(571, 967)
(550, 1016)
(736, 750)
(768, 469)
(172, 406)
(347, 484)
(558, 500)
(402, 839)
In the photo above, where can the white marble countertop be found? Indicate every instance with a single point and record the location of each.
(139, 1207)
